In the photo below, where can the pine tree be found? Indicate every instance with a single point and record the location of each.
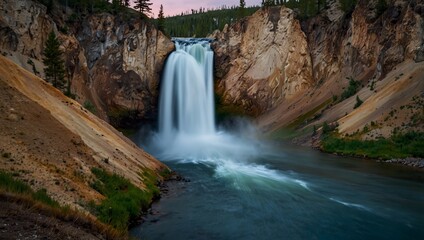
(161, 19)
(242, 9)
(348, 5)
(381, 7)
(117, 5)
(55, 69)
(268, 3)
(143, 6)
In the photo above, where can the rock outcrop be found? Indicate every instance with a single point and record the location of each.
(113, 61)
(124, 61)
(366, 44)
(52, 142)
(262, 60)
(293, 73)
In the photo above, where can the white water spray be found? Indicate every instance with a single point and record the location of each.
(187, 130)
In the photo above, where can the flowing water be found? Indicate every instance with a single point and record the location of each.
(244, 188)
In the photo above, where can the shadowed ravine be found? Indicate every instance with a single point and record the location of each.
(244, 188)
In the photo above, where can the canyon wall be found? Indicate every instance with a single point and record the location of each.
(113, 61)
(262, 60)
(271, 65)
(292, 72)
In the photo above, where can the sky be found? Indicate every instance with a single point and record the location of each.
(173, 7)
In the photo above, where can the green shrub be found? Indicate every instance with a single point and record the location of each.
(381, 7)
(335, 97)
(328, 128)
(410, 144)
(347, 5)
(325, 128)
(90, 107)
(351, 90)
(124, 201)
(9, 184)
(41, 195)
(358, 102)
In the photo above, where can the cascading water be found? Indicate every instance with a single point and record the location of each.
(186, 102)
(187, 128)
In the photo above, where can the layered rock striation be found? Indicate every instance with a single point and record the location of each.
(53, 143)
(262, 60)
(113, 62)
(292, 72)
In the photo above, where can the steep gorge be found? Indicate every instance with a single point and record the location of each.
(283, 71)
(308, 65)
(270, 65)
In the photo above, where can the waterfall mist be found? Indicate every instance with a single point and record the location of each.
(187, 129)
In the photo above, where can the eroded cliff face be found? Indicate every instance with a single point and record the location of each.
(123, 61)
(23, 23)
(262, 60)
(381, 48)
(294, 73)
(366, 44)
(24, 27)
(113, 62)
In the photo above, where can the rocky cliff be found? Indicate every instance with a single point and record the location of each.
(113, 61)
(262, 60)
(51, 142)
(123, 61)
(303, 67)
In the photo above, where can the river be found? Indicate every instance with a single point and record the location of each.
(292, 193)
(242, 187)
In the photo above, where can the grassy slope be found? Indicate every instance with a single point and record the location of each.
(124, 202)
(51, 142)
(17, 192)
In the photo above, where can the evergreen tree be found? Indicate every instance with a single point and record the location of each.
(242, 9)
(117, 5)
(143, 6)
(268, 3)
(381, 7)
(348, 5)
(161, 19)
(55, 69)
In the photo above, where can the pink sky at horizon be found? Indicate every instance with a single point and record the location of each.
(173, 7)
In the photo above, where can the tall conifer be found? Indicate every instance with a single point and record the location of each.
(242, 9)
(161, 19)
(55, 69)
(143, 6)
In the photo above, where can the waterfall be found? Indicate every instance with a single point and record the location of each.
(186, 103)
(187, 128)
